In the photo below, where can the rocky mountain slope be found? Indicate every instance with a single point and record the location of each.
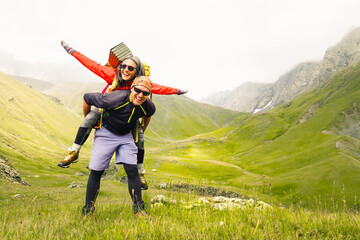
(257, 97)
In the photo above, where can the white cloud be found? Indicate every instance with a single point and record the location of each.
(203, 46)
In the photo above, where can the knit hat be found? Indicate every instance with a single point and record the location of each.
(142, 81)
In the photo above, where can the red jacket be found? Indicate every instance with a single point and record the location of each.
(108, 74)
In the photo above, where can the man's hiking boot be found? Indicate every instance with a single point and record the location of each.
(88, 210)
(139, 210)
(144, 185)
(71, 157)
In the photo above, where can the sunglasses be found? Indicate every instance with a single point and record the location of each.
(130, 68)
(138, 91)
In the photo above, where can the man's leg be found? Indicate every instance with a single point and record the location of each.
(135, 189)
(92, 191)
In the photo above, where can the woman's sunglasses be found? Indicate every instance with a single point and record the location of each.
(138, 91)
(130, 68)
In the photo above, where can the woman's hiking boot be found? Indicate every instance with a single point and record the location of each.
(139, 210)
(144, 185)
(71, 157)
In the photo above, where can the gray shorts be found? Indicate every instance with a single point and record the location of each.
(106, 144)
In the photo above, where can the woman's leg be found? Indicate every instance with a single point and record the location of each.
(82, 135)
(85, 128)
(139, 140)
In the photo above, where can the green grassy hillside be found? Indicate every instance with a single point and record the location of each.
(307, 148)
(71, 93)
(305, 152)
(300, 145)
(178, 117)
(36, 130)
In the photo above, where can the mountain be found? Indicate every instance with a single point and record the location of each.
(305, 148)
(36, 129)
(255, 97)
(173, 112)
(40, 126)
(179, 117)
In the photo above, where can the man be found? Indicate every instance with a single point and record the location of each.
(122, 109)
(118, 78)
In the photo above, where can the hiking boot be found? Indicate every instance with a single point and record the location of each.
(139, 210)
(71, 157)
(144, 185)
(88, 210)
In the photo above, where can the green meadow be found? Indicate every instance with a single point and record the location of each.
(302, 158)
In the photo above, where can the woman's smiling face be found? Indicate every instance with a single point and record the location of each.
(126, 73)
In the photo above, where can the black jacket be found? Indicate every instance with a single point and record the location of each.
(120, 114)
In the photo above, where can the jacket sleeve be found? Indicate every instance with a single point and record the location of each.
(163, 90)
(106, 101)
(95, 99)
(106, 73)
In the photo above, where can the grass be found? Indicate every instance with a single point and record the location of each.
(48, 212)
(306, 150)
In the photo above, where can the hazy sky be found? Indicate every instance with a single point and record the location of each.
(204, 46)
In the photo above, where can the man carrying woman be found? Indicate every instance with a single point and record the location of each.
(119, 78)
(122, 109)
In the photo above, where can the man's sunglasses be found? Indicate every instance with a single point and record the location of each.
(130, 68)
(138, 91)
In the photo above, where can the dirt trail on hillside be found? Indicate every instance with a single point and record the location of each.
(231, 165)
(258, 178)
(225, 164)
(356, 161)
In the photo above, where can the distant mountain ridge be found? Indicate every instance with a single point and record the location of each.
(260, 97)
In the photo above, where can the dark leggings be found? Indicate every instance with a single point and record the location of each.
(82, 135)
(93, 187)
(134, 184)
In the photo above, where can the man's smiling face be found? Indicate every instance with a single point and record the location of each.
(137, 94)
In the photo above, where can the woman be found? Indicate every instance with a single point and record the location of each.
(120, 78)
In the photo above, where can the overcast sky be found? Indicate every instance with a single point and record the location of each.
(203, 46)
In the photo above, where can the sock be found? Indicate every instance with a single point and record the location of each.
(140, 167)
(76, 147)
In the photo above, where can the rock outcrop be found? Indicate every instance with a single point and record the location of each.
(217, 202)
(10, 174)
(260, 97)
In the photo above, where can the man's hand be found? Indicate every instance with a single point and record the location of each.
(146, 121)
(97, 126)
(67, 48)
(181, 92)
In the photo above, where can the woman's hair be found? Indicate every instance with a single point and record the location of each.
(140, 71)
